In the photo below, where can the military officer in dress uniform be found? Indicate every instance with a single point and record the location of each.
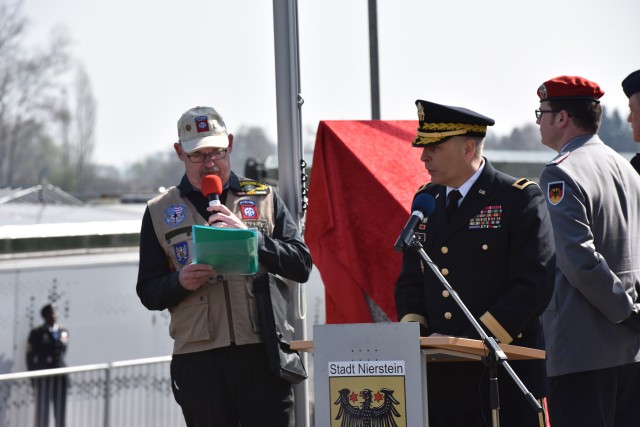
(631, 88)
(591, 325)
(46, 349)
(490, 236)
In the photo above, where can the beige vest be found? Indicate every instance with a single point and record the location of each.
(223, 310)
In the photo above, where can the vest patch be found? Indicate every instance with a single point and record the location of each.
(248, 209)
(175, 214)
(181, 251)
(177, 232)
(259, 224)
(249, 188)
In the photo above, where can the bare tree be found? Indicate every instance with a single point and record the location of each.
(85, 119)
(11, 28)
(29, 79)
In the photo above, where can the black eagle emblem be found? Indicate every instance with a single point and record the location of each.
(367, 415)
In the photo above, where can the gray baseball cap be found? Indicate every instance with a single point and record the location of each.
(202, 127)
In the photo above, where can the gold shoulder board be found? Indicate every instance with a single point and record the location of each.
(422, 187)
(522, 183)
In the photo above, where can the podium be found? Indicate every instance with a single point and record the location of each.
(378, 371)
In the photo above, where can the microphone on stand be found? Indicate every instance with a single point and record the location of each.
(421, 208)
(211, 188)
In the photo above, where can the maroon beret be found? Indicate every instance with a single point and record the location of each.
(569, 87)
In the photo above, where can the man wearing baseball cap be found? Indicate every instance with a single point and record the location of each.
(631, 88)
(591, 326)
(220, 373)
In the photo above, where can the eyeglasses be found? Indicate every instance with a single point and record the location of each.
(201, 157)
(539, 112)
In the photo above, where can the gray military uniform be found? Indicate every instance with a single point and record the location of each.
(593, 195)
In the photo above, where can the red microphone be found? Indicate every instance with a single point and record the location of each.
(211, 187)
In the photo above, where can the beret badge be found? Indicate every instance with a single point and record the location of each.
(420, 112)
(542, 91)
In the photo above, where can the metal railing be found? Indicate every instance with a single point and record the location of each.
(134, 393)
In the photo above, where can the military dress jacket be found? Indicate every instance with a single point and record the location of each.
(593, 195)
(497, 252)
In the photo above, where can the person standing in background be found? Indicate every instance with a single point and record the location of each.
(631, 88)
(592, 325)
(46, 349)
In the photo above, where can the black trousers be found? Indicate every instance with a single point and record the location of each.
(604, 397)
(231, 387)
(510, 415)
(47, 391)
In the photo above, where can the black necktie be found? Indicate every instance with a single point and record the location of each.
(452, 203)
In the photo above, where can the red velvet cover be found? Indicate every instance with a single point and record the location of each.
(363, 179)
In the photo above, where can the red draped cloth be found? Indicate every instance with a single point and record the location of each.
(363, 179)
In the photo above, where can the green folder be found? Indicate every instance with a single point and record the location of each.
(227, 250)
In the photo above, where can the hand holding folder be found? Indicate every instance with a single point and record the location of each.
(227, 250)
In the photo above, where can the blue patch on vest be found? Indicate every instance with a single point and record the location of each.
(181, 250)
(175, 214)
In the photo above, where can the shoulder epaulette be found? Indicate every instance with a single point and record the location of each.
(522, 183)
(422, 187)
(251, 187)
(559, 159)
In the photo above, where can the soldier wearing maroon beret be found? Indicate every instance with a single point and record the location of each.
(631, 88)
(592, 325)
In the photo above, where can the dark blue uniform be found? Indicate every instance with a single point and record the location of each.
(497, 252)
(46, 350)
(635, 162)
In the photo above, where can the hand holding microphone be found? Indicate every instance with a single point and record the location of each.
(211, 188)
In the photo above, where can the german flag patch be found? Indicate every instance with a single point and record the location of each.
(555, 192)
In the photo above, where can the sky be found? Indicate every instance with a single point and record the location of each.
(151, 60)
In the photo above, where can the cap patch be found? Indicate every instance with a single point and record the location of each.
(542, 91)
(174, 214)
(202, 124)
(555, 192)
